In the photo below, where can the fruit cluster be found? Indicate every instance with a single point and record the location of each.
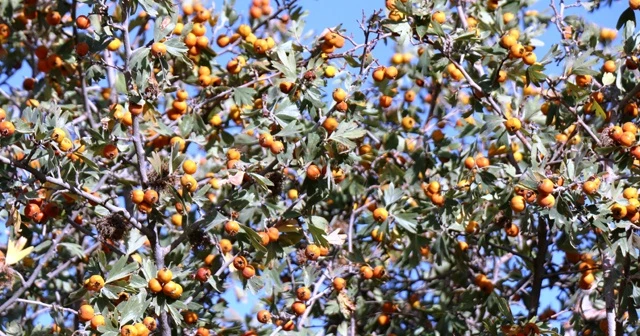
(163, 283)
(145, 200)
(86, 312)
(433, 191)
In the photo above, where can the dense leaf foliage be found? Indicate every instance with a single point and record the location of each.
(158, 156)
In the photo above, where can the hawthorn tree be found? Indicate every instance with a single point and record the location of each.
(158, 155)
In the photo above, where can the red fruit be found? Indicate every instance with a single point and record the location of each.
(203, 274)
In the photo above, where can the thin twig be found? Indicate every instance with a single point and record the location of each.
(51, 306)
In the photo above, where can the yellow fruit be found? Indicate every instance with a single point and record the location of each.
(85, 313)
(292, 194)
(630, 193)
(529, 58)
(176, 219)
(517, 51)
(164, 275)
(339, 95)
(312, 252)
(189, 182)
(434, 187)
(150, 323)
(154, 286)
(263, 316)
(545, 186)
(508, 41)
(583, 80)
(277, 147)
(507, 17)
(469, 163)
(589, 187)
(518, 204)
(244, 30)
(366, 272)
(378, 74)
(58, 135)
(546, 201)
(96, 321)
(141, 329)
(303, 294)
(298, 307)
(128, 330)
(189, 167)
(391, 72)
(313, 172)
(158, 49)
(94, 283)
(471, 227)
(330, 71)
(439, 17)
(380, 214)
(408, 123)
(618, 211)
(339, 284)
(137, 196)
(513, 125)
(150, 196)
(65, 144)
(610, 65)
(231, 227)
(114, 44)
(330, 124)
(502, 76)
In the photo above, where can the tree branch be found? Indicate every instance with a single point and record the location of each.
(538, 266)
(608, 264)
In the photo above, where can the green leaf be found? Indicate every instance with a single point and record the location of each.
(163, 26)
(149, 269)
(287, 65)
(599, 111)
(628, 15)
(535, 74)
(175, 314)
(110, 291)
(407, 221)
(262, 181)
(292, 128)
(148, 7)
(121, 269)
(352, 61)
(286, 114)
(133, 309)
(22, 127)
(437, 28)
(255, 284)
(88, 161)
(392, 195)
(608, 79)
(121, 85)
(177, 48)
(318, 229)
(243, 96)
(347, 131)
(138, 56)
(503, 306)
(136, 240)
(75, 249)
(254, 238)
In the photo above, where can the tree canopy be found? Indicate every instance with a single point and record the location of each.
(157, 157)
